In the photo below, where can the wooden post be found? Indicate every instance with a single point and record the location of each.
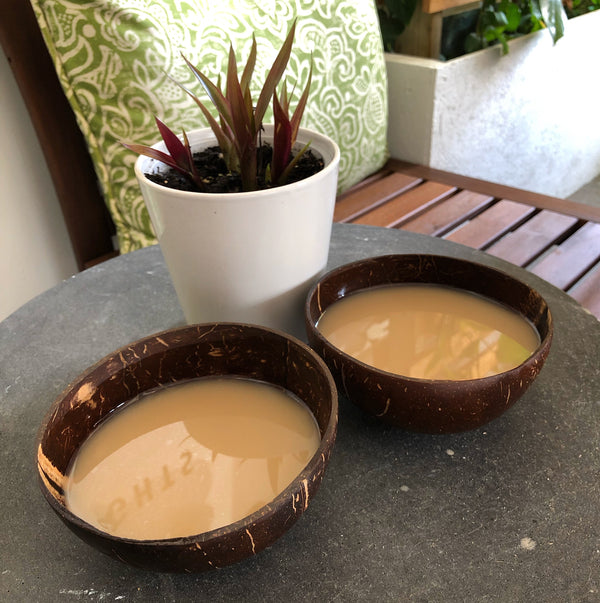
(423, 35)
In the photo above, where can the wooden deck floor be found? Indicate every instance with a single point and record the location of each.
(556, 239)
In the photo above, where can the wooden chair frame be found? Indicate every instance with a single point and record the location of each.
(86, 216)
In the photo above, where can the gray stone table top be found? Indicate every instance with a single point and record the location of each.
(507, 512)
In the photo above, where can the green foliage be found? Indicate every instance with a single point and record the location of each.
(499, 20)
(239, 122)
(574, 8)
(502, 21)
(394, 16)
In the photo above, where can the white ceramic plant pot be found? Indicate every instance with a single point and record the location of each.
(245, 257)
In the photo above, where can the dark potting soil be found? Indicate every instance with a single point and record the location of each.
(210, 164)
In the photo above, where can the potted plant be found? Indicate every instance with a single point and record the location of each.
(505, 118)
(246, 245)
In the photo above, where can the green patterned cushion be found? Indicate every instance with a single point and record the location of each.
(112, 57)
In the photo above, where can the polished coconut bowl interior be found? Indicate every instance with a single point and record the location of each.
(174, 356)
(432, 405)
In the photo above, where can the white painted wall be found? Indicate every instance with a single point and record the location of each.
(35, 252)
(528, 119)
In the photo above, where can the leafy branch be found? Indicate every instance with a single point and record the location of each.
(501, 21)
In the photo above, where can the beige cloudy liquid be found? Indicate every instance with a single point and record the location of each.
(429, 332)
(190, 458)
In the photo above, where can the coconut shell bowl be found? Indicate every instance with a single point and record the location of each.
(180, 354)
(418, 404)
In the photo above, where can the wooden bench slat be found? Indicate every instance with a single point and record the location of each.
(532, 238)
(557, 239)
(499, 191)
(448, 214)
(587, 291)
(437, 6)
(565, 264)
(491, 224)
(407, 205)
(361, 200)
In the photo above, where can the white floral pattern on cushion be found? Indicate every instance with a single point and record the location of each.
(113, 57)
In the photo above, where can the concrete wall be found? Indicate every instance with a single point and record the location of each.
(35, 252)
(528, 119)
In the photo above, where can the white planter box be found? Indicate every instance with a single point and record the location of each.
(529, 119)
